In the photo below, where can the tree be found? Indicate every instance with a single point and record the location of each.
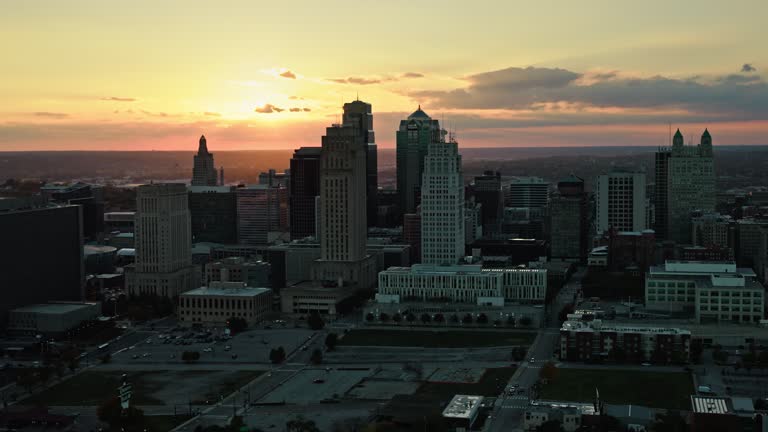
(525, 321)
(277, 355)
(236, 324)
(317, 357)
(383, 317)
(518, 353)
(315, 321)
(300, 424)
(369, 317)
(397, 317)
(467, 319)
(549, 372)
(550, 426)
(454, 318)
(482, 319)
(425, 318)
(565, 311)
(106, 358)
(410, 317)
(331, 340)
(27, 380)
(190, 356)
(439, 318)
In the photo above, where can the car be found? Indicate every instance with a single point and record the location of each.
(531, 360)
(173, 356)
(318, 380)
(645, 364)
(135, 356)
(234, 356)
(208, 349)
(304, 348)
(145, 355)
(227, 348)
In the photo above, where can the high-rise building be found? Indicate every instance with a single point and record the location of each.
(343, 233)
(163, 264)
(305, 187)
(661, 166)
(213, 212)
(412, 234)
(488, 193)
(413, 138)
(568, 220)
(713, 230)
(526, 192)
(690, 185)
(258, 213)
(359, 115)
(273, 178)
(442, 205)
(204, 171)
(620, 201)
(41, 259)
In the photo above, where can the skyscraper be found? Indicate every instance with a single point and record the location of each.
(213, 211)
(413, 138)
(620, 201)
(359, 115)
(163, 241)
(660, 192)
(305, 187)
(343, 233)
(690, 184)
(442, 205)
(488, 193)
(526, 192)
(204, 171)
(259, 212)
(568, 220)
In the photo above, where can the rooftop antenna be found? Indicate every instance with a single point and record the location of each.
(670, 134)
(357, 96)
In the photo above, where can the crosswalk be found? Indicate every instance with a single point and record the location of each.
(515, 402)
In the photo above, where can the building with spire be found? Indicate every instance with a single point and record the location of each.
(203, 171)
(359, 115)
(413, 139)
(685, 183)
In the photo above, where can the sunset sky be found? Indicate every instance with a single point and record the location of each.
(141, 75)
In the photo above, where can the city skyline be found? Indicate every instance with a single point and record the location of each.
(117, 77)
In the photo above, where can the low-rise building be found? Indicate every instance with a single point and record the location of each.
(464, 409)
(583, 338)
(51, 318)
(463, 284)
(714, 414)
(215, 304)
(253, 272)
(569, 417)
(708, 291)
(308, 296)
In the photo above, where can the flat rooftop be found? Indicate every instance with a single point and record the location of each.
(227, 289)
(709, 405)
(462, 406)
(53, 308)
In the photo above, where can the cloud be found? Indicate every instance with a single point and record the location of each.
(288, 74)
(268, 109)
(295, 110)
(412, 75)
(52, 115)
(747, 67)
(307, 110)
(154, 114)
(362, 80)
(295, 98)
(212, 114)
(118, 99)
(731, 96)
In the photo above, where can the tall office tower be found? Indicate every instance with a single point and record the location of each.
(620, 201)
(343, 234)
(221, 176)
(488, 193)
(274, 178)
(305, 187)
(163, 241)
(359, 115)
(213, 212)
(412, 234)
(41, 258)
(442, 205)
(203, 172)
(258, 213)
(690, 185)
(568, 220)
(661, 190)
(413, 138)
(527, 192)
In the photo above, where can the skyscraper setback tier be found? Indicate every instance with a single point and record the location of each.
(413, 138)
(359, 115)
(204, 171)
(442, 205)
(163, 242)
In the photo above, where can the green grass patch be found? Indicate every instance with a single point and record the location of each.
(670, 390)
(92, 388)
(436, 339)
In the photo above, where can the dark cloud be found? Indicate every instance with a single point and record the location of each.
(268, 109)
(288, 74)
(53, 115)
(154, 114)
(747, 67)
(307, 110)
(295, 110)
(212, 114)
(412, 75)
(118, 99)
(530, 88)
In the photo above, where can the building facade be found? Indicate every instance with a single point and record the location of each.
(526, 192)
(204, 170)
(215, 304)
(252, 272)
(360, 115)
(413, 138)
(620, 201)
(259, 212)
(442, 205)
(163, 237)
(711, 292)
(213, 213)
(568, 220)
(488, 193)
(51, 319)
(305, 188)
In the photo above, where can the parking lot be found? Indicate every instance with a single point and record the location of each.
(315, 385)
(214, 346)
